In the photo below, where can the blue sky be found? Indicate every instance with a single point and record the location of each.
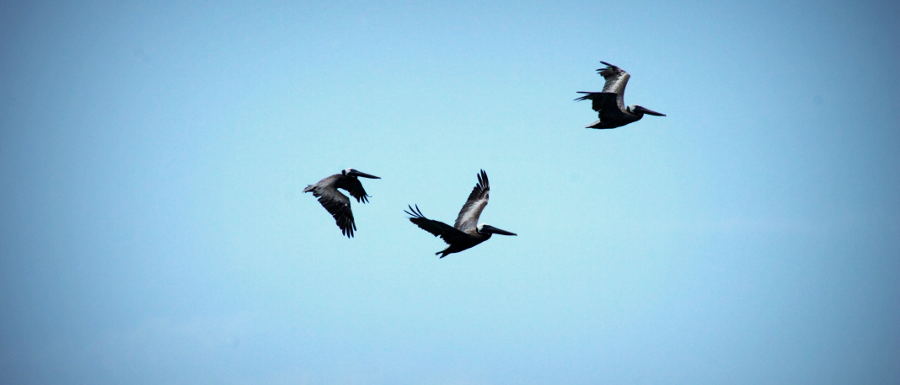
(155, 229)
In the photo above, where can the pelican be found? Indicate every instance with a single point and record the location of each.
(464, 233)
(609, 103)
(338, 204)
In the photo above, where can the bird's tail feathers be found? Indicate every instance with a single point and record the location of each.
(598, 125)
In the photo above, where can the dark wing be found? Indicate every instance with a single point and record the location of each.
(436, 228)
(354, 187)
(467, 220)
(610, 109)
(611, 101)
(339, 206)
(603, 101)
(616, 78)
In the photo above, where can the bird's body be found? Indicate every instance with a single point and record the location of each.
(610, 103)
(326, 190)
(466, 232)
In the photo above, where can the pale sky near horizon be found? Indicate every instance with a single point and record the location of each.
(155, 230)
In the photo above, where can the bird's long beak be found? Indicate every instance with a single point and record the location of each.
(495, 230)
(364, 175)
(651, 112)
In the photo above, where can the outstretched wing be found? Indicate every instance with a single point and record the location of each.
(616, 79)
(339, 206)
(436, 228)
(603, 101)
(354, 187)
(612, 99)
(467, 220)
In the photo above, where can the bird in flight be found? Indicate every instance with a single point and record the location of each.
(610, 104)
(466, 232)
(326, 190)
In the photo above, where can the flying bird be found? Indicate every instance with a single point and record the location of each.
(466, 232)
(338, 204)
(609, 103)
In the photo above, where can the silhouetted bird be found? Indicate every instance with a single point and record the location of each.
(338, 204)
(609, 103)
(465, 233)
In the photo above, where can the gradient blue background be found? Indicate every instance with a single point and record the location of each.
(154, 230)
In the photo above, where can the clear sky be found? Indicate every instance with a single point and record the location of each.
(154, 229)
